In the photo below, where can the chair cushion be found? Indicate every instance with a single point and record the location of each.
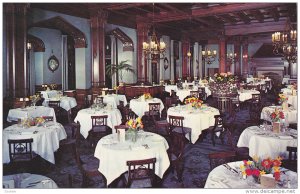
(179, 130)
(143, 183)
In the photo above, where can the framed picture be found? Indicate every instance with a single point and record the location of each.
(53, 63)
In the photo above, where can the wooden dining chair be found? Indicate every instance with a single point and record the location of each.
(194, 94)
(54, 103)
(48, 118)
(223, 104)
(99, 129)
(219, 158)
(140, 174)
(176, 125)
(291, 162)
(256, 98)
(202, 93)
(120, 127)
(218, 129)
(152, 114)
(20, 154)
(59, 112)
(127, 114)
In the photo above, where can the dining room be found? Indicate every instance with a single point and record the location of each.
(175, 95)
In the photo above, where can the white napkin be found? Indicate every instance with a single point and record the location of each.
(285, 137)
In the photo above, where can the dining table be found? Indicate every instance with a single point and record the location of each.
(246, 94)
(28, 181)
(139, 106)
(50, 93)
(114, 153)
(292, 97)
(66, 102)
(45, 137)
(222, 177)
(31, 111)
(84, 117)
(263, 142)
(290, 115)
(198, 119)
(113, 99)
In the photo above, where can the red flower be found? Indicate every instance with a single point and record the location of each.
(276, 176)
(245, 162)
(276, 163)
(255, 172)
(266, 163)
(248, 172)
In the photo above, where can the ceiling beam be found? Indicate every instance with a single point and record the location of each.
(243, 17)
(275, 14)
(121, 6)
(258, 15)
(228, 19)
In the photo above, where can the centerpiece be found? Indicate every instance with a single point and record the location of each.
(283, 101)
(133, 126)
(194, 102)
(146, 96)
(259, 167)
(276, 117)
(34, 99)
(223, 84)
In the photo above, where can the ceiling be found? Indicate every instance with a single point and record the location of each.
(200, 21)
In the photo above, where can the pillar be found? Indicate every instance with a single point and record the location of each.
(172, 61)
(113, 45)
(98, 21)
(222, 54)
(185, 48)
(195, 56)
(293, 70)
(245, 69)
(237, 63)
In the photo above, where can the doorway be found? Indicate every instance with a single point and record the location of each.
(71, 64)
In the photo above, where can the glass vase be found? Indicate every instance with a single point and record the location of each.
(276, 127)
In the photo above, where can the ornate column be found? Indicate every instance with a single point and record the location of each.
(142, 36)
(237, 63)
(98, 21)
(293, 70)
(196, 64)
(113, 45)
(185, 48)
(172, 61)
(16, 51)
(245, 68)
(222, 54)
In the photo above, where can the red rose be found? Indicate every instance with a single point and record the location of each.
(266, 163)
(248, 172)
(276, 163)
(255, 172)
(245, 162)
(276, 176)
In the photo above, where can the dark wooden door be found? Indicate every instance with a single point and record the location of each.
(154, 73)
(71, 64)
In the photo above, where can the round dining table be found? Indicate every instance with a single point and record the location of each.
(28, 181)
(263, 142)
(290, 115)
(222, 178)
(84, 117)
(66, 102)
(246, 94)
(140, 106)
(113, 99)
(45, 139)
(196, 119)
(113, 154)
(31, 111)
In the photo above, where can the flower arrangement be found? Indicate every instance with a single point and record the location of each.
(195, 102)
(294, 86)
(39, 120)
(116, 88)
(282, 98)
(135, 124)
(147, 95)
(259, 167)
(224, 77)
(277, 115)
(34, 99)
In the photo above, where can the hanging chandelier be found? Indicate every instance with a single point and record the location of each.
(285, 45)
(154, 49)
(209, 56)
(231, 57)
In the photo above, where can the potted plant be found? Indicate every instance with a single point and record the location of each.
(111, 69)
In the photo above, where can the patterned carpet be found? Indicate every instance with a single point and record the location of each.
(196, 162)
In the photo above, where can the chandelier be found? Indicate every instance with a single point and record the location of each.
(154, 49)
(209, 56)
(285, 45)
(231, 57)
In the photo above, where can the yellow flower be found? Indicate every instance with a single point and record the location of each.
(242, 167)
(279, 158)
(249, 162)
(244, 173)
(276, 169)
(138, 120)
(262, 172)
(130, 122)
(255, 158)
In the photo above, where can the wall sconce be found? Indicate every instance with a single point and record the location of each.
(245, 56)
(29, 46)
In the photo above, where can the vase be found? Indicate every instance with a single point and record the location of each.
(276, 127)
(285, 106)
(131, 135)
(256, 179)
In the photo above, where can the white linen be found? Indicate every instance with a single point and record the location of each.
(246, 94)
(113, 154)
(66, 103)
(265, 143)
(168, 88)
(285, 80)
(31, 181)
(221, 177)
(84, 117)
(50, 93)
(139, 106)
(45, 139)
(290, 116)
(37, 111)
(113, 99)
(196, 119)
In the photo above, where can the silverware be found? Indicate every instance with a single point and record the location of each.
(229, 168)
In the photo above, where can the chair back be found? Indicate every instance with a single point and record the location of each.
(202, 93)
(54, 103)
(292, 153)
(223, 104)
(256, 97)
(176, 121)
(141, 170)
(20, 150)
(99, 100)
(154, 108)
(219, 123)
(219, 158)
(177, 145)
(98, 121)
(129, 114)
(121, 127)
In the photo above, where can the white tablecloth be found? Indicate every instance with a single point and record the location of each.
(50, 93)
(285, 80)
(84, 117)
(45, 139)
(168, 88)
(113, 154)
(139, 107)
(246, 94)
(65, 102)
(292, 100)
(186, 92)
(265, 143)
(290, 115)
(221, 177)
(37, 111)
(196, 119)
(113, 99)
(29, 181)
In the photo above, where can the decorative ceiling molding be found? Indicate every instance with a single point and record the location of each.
(126, 40)
(66, 28)
(37, 44)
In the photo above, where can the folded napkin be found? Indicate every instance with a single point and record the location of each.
(285, 137)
